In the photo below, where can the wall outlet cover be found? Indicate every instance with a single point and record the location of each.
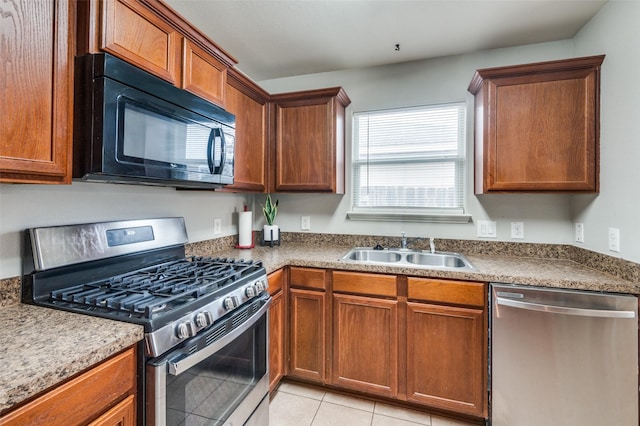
(305, 223)
(579, 231)
(217, 226)
(517, 230)
(614, 240)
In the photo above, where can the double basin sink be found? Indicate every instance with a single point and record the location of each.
(408, 258)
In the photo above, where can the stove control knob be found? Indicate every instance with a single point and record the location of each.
(261, 285)
(251, 291)
(204, 319)
(186, 329)
(230, 303)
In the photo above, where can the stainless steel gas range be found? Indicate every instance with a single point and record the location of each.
(205, 319)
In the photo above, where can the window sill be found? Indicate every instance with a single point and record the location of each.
(410, 217)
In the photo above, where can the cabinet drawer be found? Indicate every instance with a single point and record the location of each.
(276, 281)
(447, 291)
(307, 278)
(371, 284)
(81, 399)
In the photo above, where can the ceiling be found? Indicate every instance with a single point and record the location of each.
(281, 38)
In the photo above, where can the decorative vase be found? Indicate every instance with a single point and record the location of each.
(271, 233)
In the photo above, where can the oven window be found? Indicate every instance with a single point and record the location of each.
(211, 391)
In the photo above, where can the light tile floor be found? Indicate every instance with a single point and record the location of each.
(298, 405)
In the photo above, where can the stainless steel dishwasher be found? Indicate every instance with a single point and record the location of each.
(564, 358)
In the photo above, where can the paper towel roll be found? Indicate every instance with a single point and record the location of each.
(245, 223)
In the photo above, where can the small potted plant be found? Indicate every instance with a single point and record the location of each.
(270, 232)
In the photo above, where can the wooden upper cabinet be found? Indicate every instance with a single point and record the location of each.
(152, 36)
(37, 50)
(249, 103)
(537, 126)
(135, 34)
(309, 141)
(202, 74)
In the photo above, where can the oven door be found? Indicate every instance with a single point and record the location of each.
(217, 378)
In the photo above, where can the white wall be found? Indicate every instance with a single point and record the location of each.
(26, 206)
(615, 31)
(546, 218)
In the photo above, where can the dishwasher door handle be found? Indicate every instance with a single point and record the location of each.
(603, 313)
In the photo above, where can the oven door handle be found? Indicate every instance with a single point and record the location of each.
(179, 364)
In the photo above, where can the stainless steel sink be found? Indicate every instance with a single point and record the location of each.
(407, 258)
(441, 260)
(370, 255)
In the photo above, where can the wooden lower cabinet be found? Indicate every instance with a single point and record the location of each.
(445, 358)
(365, 344)
(307, 335)
(276, 329)
(121, 415)
(104, 395)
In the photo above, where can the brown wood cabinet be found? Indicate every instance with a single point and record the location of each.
(537, 126)
(447, 345)
(37, 51)
(249, 103)
(150, 35)
(307, 324)
(365, 334)
(104, 395)
(276, 329)
(309, 141)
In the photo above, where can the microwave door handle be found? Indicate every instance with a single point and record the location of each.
(223, 153)
(211, 151)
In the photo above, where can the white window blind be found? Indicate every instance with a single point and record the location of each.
(410, 160)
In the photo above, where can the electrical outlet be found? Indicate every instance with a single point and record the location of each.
(305, 223)
(614, 240)
(217, 226)
(579, 229)
(517, 230)
(486, 229)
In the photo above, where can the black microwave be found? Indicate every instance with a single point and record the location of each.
(133, 127)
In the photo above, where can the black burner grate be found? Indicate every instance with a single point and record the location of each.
(160, 288)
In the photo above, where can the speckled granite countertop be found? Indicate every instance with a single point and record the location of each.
(33, 361)
(545, 272)
(35, 357)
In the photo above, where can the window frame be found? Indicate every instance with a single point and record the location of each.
(413, 214)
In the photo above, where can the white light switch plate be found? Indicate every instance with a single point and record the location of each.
(217, 226)
(486, 229)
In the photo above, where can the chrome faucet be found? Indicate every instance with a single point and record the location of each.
(403, 243)
(432, 245)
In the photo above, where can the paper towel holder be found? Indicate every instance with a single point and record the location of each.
(245, 220)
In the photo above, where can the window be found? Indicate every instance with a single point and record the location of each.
(409, 161)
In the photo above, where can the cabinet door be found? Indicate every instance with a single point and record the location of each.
(37, 50)
(135, 34)
(309, 145)
(202, 74)
(537, 126)
(123, 414)
(249, 104)
(307, 335)
(446, 362)
(276, 340)
(365, 344)
(276, 328)
(83, 398)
